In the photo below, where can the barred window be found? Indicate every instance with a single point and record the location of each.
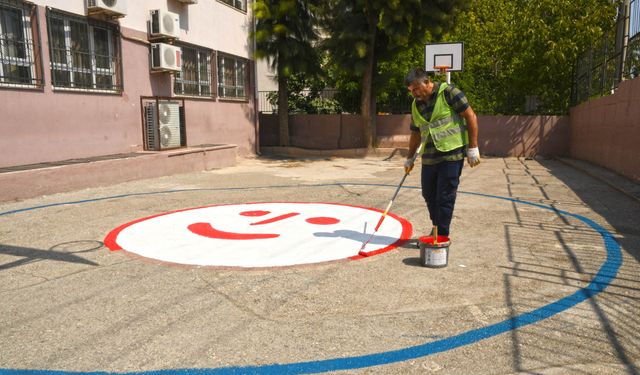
(634, 19)
(232, 77)
(85, 53)
(195, 77)
(239, 4)
(20, 63)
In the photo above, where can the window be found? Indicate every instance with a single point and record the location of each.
(195, 77)
(85, 53)
(634, 19)
(239, 4)
(232, 77)
(20, 64)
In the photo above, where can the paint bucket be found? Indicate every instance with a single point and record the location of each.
(435, 255)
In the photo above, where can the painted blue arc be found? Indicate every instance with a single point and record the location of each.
(606, 274)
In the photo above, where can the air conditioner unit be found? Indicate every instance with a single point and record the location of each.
(164, 24)
(188, 1)
(117, 8)
(162, 128)
(165, 57)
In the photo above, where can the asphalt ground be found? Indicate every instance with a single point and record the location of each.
(543, 277)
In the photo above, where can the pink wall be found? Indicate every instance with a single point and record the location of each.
(221, 122)
(46, 125)
(606, 131)
(523, 135)
(498, 135)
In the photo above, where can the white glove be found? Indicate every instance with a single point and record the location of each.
(408, 165)
(473, 156)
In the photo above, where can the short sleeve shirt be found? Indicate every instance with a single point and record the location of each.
(457, 100)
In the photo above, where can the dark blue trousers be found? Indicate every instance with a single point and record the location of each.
(439, 189)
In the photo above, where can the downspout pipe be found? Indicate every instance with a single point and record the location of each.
(256, 113)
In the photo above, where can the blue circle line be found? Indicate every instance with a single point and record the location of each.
(603, 278)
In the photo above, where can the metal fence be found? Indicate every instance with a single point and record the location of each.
(330, 101)
(600, 70)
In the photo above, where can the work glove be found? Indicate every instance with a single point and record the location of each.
(473, 156)
(408, 165)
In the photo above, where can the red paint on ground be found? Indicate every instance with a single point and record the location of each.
(254, 213)
(206, 230)
(322, 220)
(277, 218)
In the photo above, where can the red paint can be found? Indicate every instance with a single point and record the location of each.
(434, 255)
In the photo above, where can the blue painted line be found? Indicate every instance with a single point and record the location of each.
(605, 275)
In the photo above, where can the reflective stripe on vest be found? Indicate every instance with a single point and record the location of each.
(447, 129)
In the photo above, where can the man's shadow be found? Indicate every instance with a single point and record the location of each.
(360, 238)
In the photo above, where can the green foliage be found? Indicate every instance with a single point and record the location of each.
(395, 25)
(285, 35)
(394, 32)
(305, 95)
(519, 48)
(514, 50)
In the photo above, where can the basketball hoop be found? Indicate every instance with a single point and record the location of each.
(443, 58)
(442, 68)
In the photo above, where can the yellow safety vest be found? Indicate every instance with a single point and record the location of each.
(447, 129)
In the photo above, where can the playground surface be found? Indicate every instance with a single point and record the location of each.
(543, 274)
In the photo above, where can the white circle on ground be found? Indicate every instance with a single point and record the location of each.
(260, 234)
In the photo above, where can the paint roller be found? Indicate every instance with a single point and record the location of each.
(361, 252)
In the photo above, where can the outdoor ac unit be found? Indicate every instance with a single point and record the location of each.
(116, 8)
(162, 128)
(165, 57)
(188, 1)
(164, 24)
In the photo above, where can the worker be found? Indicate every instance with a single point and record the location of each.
(443, 119)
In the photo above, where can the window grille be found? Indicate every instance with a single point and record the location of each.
(238, 4)
(195, 77)
(634, 18)
(232, 77)
(20, 62)
(85, 53)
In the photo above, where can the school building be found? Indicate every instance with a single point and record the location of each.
(140, 79)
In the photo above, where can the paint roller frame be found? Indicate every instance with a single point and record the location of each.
(363, 253)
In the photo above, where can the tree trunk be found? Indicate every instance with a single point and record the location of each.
(283, 110)
(368, 98)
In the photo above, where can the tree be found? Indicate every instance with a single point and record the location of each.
(366, 33)
(519, 49)
(285, 32)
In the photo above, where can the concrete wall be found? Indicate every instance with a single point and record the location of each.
(498, 135)
(606, 131)
(44, 125)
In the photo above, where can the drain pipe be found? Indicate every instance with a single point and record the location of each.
(256, 110)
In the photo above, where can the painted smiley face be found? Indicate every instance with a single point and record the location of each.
(206, 230)
(259, 234)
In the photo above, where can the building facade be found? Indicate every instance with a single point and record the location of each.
(86, 78)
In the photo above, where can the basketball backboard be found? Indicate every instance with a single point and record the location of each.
(443, 54)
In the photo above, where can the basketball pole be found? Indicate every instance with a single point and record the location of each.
(444, 69)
